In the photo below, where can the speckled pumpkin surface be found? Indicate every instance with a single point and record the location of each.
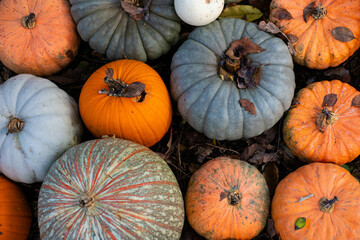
(110, 189)
(227, 199)
(325, 196)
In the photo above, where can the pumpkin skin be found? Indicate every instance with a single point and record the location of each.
(110, 30)
(315, 45)
(110, 189)
(44, 49)
(211, 205)
(51, 125)
(144, 122)
(15, 214)
(210, 104)
(339, 141)
(299, 193)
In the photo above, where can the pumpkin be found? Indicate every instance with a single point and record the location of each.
(209, 96)
(131, 103)
(15, 214)
(37, 37)
(198, 12)
(317, 201)
(110, 189)
(323, 33)
(323, 124)
(130, 29)
(38, 122)
(227, 199)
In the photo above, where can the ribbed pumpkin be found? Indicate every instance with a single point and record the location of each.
(213, 104)
(324, 33)
(144, 119)
(37, 37)
(323, 124)
(38, 123)
(133, 29)
(317, 201)
(227, 199)
(15, 214)
(110, 189)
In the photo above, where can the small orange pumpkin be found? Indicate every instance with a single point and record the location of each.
(227, 199)
(317, 201)
(324, 33)
(128, 99)
(323, 123)
(37, 37)
(15, 214)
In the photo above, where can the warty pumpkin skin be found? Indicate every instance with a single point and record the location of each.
(210, 104)
(142, 120)
(38, 123)
(227, 199)
(315, 132)
(15, 214)
(113, 31)
(326, 195)
(328, 37)
(37, 37)
(110, 189)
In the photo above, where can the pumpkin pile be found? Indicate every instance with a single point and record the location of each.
(108, 157)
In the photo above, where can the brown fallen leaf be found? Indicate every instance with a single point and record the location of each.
(223, 195)
(135, 89)
(261, 157)
(343, 34)
(329, 100)
(250, 151)
(292, 38)
(271, 175)
(282, 14)
(356, 101)
(307, 11)
(248, 106)
(242, 47)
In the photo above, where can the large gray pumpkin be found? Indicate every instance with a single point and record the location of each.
(211, 105)
(111, 30)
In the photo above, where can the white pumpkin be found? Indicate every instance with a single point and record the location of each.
(198, 12)
(38, 123)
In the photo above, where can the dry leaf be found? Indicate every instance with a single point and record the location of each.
(291, 49)
(135, 89)
(248, 106)
(338, 72)
(202, 153)
(269, 27)
(245, 12)
(282, 14)
(223, 195)
(356, 101)
(250, 151)
(321, 122)
(271, 175)
(260, 158)
(241, 47)
(343, 34)
(135, 12)
(270, 229)
(292, 38)
(329, 100)
(307, 11)
(109, 72)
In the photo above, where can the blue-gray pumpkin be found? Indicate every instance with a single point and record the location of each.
(213, 106)
(111, 27)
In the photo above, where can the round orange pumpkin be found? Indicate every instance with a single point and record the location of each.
(323, 124)
(128, 99)
(227, 199)
(15, 214)
(37, 37)
(324, 33)
(317, 201)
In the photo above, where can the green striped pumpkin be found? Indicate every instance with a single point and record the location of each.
(110, 189)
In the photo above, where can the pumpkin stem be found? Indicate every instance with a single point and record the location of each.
(86, 201)
(319, 12)
(15, 125)
(28, 21)
(119, 88)
(325, 118)
(234, 198)
(326, 205)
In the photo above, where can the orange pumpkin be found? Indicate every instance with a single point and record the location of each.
(15, 214)
(227, 199)
(37, 37)
(323, 123)
(324, 33)
(131, 103)
(317, 201)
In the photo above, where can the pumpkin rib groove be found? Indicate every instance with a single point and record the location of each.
(273, 95)
(33, 95)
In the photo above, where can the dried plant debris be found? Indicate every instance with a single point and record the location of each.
(248, 106)
(329, 100)
(343, 34)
